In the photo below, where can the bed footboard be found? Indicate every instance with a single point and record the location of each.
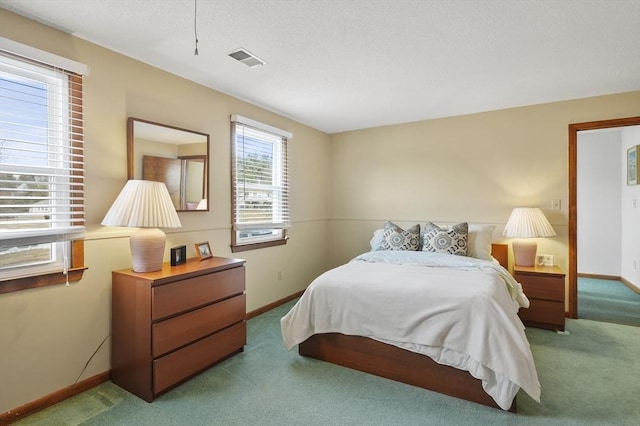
(391, 362)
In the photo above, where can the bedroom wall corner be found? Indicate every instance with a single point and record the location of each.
(68, 323)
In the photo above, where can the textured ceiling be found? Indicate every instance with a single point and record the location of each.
(339, 65)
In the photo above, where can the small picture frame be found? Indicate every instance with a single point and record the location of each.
(204, 250)
(178, 255)
(633, 173)
(544, 260)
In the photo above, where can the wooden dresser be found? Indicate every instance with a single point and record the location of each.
(544, 287)
(167, 326)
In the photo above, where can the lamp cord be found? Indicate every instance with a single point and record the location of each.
(90, 358)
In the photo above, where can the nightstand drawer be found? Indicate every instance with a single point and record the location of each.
(543, 313)
(184, 329)
(173, 298)
(541, 287)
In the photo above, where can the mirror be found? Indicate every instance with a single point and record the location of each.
(175, 156)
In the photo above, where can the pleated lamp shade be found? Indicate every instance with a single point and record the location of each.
(146, 205)
(527, 222)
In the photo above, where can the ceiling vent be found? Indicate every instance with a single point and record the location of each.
(246, 57)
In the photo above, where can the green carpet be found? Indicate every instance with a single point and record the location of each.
(609, 301)
(589, 376)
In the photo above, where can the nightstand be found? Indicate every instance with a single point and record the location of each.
(544, 287)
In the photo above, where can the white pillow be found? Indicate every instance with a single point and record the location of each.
(480, 241)
(377, 239)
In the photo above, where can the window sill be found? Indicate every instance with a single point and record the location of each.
(74, 273)
(255, 246)
(35, 281)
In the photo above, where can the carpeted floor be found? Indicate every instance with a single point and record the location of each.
(589, 376)
(608, 301)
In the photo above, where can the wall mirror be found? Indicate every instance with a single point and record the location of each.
(178, 157)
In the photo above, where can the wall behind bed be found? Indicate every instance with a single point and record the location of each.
(473, 168)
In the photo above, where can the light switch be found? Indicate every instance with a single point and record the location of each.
(556, 205)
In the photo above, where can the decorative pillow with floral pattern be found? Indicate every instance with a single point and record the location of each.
(396, 238)
(453, 240)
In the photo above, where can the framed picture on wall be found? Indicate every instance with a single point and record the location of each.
(633, 175)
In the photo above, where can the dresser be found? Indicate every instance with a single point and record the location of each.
(544, 287)
(168, 326)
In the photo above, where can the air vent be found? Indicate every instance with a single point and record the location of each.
(246, 57)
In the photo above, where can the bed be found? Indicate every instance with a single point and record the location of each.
(379, 314)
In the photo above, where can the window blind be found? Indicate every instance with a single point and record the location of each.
(260, 176)
(41, 151)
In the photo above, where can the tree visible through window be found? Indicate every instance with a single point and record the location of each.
(41, 168)
(259, 185)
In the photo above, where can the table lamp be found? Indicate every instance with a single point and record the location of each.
(527, 223)
(146, 205)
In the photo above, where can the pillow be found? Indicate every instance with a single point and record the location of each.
(396, 238)
(479, 242)
(376, 239)
(446, 240)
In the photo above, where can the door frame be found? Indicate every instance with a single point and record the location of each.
(573, 198)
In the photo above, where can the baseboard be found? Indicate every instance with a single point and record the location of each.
(623, 280)
(25, 410)
(53, 398)
(273, 305)
(599, 277)
(631, 286)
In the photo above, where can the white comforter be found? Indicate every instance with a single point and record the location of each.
(459, 311)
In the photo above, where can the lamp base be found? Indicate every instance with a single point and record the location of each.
(147, 249)
(524, 252)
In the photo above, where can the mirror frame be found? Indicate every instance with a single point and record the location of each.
(131, 158)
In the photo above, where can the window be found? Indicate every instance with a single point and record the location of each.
(260, 187)
(41, 168)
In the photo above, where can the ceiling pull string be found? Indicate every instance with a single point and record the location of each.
(195, 25)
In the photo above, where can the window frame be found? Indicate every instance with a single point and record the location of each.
(74, 273)
(75, 72)
(280, 236)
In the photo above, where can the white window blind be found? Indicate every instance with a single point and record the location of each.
(41, 151)
(260, 176)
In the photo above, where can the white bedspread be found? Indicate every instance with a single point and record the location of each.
(457, 310)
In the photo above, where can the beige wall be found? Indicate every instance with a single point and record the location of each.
(474, 168)
(48, 334)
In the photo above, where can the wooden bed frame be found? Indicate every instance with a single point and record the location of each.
(373, 357)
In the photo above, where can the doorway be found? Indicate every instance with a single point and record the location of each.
(573, 210)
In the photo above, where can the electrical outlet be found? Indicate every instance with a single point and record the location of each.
(556, 205)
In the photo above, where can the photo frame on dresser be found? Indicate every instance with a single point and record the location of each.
(633, 173)
(203, 250)
(178, 255)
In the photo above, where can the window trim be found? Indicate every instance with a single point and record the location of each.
(237, 247)
(76, 268)
(74, 273)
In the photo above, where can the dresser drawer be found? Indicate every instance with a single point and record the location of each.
(181, 330)
(173, 298)
(547, 288)
(184, 363)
